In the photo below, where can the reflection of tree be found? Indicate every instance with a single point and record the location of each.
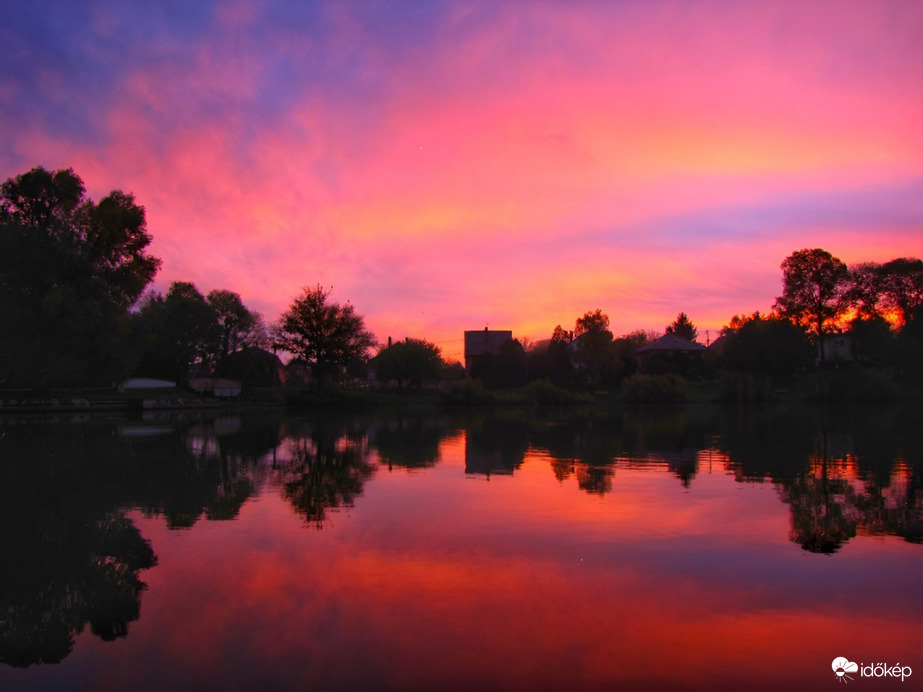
(843, 471)
(408, 442)
(821, 504)
(201, 467)
(61, 573)
(327, 469)
(588, 449)
(591, 447)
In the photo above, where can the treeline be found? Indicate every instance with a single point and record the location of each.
(76, 311)
(829, 314)
(73, 274)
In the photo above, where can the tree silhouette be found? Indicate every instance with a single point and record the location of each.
(411, 362)
(234, 321)
(325, 334)
(901, 287)
(594, 355)
(69, 270)
(683, 327)
(813, 283)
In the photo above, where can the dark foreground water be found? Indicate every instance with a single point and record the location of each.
(691, 549)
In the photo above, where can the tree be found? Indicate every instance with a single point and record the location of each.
(683, 327)
(596, 321)
(561, 335)
(774, 347)
(234, 321)
(326, 335)
(191, 323)
(69, 270)
(175, 331)
(892, 290)
(900, 285)
(412, 361)
(863, 289)
(872, 339)
(813, 283)
(594, 355)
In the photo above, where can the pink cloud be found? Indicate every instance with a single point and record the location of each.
(514, 169)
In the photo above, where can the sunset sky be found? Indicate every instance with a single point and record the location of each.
(451, 166)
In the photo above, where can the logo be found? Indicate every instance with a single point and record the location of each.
(842, 667)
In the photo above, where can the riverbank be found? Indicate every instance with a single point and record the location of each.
(821, 386)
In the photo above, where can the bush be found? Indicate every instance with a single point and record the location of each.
(466, 392)
(544, 393)
(855, 385)
(655, 389)
(743, 387)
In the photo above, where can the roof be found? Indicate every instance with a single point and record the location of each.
(671, 342)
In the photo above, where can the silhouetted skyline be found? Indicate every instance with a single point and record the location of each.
(446, 168)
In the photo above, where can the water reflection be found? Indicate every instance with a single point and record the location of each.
(73, 556)
(326, 466)
(70, 556)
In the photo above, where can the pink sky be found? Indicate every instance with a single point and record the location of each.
(449, 167)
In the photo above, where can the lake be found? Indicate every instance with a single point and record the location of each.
(696, 548)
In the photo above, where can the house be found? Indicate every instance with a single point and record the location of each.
(670, 353)
(254, 367)
(225, 389)
(837, 348)
(479, 343)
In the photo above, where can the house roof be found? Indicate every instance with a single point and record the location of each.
(671, 342)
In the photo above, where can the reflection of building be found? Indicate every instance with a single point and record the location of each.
(488, 462)
(478, 343)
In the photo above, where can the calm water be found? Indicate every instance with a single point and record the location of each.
(687, 549)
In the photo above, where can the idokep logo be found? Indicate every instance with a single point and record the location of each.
(843, 666)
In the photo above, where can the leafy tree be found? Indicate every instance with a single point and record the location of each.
(813, 284)
(234, 320)
(596, 321)
(69, 270)
(594, 355)
(174, 331)
(552, 361)
(511, 364)
(683, 327)
(325, 335)
(891, 289)
(901, 286)
(775, 347)
(863, 289)
(626, 349)
(412, 361)
(872, 339)
(561, 335)
(738, 321)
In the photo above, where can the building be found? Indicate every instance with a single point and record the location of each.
(670, 353)
(479, 343)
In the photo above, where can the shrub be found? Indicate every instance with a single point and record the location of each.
(856, 385)
(544, 393)
(655, 389)
(742, 387)
(466, 392)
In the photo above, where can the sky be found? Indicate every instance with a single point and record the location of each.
(509, 164)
